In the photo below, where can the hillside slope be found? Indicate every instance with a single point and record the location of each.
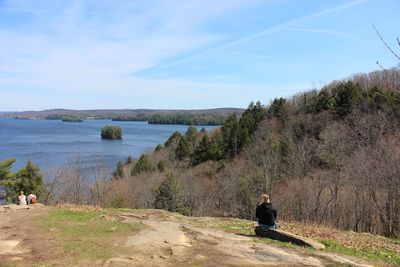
(327, 157)
(88, 236)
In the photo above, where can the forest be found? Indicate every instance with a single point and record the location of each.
(327, 156)
(186, 119)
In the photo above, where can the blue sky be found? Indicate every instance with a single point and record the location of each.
(184, 54)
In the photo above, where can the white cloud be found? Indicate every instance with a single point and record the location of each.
(73, 48)
(84, 47)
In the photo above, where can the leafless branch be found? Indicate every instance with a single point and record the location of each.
(383, 41)
(377, 63)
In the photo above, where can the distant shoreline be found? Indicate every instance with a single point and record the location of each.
(116, 120)
(197, 117)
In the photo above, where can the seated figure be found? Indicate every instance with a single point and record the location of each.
(265, 213)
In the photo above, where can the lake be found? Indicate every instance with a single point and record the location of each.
(53, 143)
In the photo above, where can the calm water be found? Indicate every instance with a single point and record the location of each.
(52, 143)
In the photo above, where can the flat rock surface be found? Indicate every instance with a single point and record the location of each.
(172, 241)
(166, 239)
(9, 247)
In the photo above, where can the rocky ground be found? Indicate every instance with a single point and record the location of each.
(29, 237)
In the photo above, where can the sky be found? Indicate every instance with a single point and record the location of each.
(174, 54)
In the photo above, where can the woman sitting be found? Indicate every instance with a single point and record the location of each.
(265, 213)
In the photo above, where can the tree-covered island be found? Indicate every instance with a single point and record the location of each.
(111, 132)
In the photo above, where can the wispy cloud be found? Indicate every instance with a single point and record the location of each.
(252, 55)
(198, 53)
(325, 32)
(282, 26)
(77, 49)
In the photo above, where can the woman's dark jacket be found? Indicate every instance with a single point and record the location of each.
(266, 214)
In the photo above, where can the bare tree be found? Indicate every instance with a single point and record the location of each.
(100, 176)
(53, 178)
(386, 45)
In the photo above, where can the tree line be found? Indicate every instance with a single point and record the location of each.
(186, 119)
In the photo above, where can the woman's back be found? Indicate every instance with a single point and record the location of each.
(22, 200)
(266, 214)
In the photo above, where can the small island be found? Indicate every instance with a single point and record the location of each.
(71, 119)
(111, 132)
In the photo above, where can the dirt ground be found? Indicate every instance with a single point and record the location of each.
(167, 239)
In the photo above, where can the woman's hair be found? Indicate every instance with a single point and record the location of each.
(265, 198)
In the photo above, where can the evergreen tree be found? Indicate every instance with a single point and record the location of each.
(161, 166)
(143, 165)
(278, 109)
(252, 116)
(119, 171)
(325, 101)
(190, 135)
(347, 96)
(230, 132)
(5, 171)
(29, 180)
(169, 196)
(129, 160)
(182, 150)
(7, 178)
(174, 138)
(202, 151)
(216, 147)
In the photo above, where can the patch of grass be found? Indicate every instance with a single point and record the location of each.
(7, 264)
(236, 226)
(83, 235)
(374, 254)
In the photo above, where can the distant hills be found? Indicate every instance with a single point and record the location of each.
(121, 114)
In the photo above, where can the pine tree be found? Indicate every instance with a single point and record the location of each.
(216, 148)
(182, 150)
(7, 178)
(169, 196)
(129, 160)
(202, 151)
(230, 132)
(119, 171)
(191, 135)
(29, 180)
(174, 138)
(143, 165)
(278, 109)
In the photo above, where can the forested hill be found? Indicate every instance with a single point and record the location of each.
(328, 157)
(118, 114)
